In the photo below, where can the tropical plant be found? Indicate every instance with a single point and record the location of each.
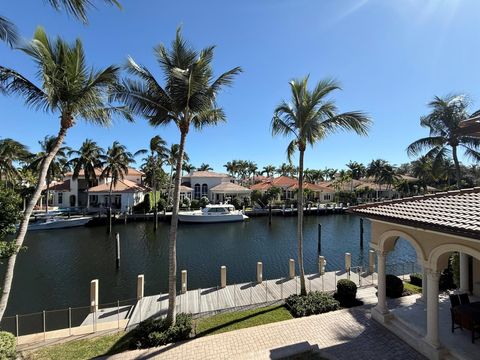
(10, 214)
(188, 98)
(115, 167)
(205, 167)
(8, 31)
(58, 166)
(11, 151)
(268, 170)
(445, 136)
(67, 87)
(88, 158)
(309, 117)
(188, 168)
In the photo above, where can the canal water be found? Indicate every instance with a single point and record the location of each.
(56, 269)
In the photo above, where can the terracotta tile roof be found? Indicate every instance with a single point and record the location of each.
(261, 186)
(185, 189)
(59, 186)
(455, 212)
(312, 187)
(206, 174)
(229, 187)
(283, 181)
(98, 172)
(122, 186)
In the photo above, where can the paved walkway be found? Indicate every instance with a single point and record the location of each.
(346, 334)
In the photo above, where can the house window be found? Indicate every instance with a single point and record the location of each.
(196, 193)
(204, 190)
(326, 197)
(60, 198)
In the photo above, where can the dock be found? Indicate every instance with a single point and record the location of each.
(208, 301)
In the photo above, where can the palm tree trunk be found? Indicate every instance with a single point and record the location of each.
(303, 289)
(155, 217)
(47, 193)
(169, 186)
(172, 243)
(457, 167)
(8, 279)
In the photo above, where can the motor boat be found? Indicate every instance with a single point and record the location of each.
(49, 223)
(213, 214)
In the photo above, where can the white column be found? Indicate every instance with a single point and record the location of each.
(223, 276)
(382, 288)
(463, 272)
(424, 284)
(432, 307)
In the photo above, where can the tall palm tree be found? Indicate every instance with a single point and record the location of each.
(11, 151)
(188, 168)
(445, 138)
(88, 158)
(158, 155)
(115, 167)
(171, 160)
(67, 87)
(269, 170)
(58, 167)
(205, 167)
(252, 168)
(8, 31)
(187, 98)
(309, 118)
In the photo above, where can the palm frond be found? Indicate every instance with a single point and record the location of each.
(78, 8)
(426, 143)
(8, 31)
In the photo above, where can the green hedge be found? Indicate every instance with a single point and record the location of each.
(151, 333)
(314, 302)
(8, 345)
(416, 279)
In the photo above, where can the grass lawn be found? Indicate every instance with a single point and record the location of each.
(414, 289)
(79, 349)
(242, 319)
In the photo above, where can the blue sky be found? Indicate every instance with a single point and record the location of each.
(391, 57)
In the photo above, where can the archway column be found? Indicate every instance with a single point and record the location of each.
(433, 277)
(463, 272)
(381, 306)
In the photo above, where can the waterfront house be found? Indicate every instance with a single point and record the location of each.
(289, 188)
(437, 226)
(73, 192)
(217, 187)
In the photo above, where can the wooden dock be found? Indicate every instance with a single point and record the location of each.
(216, 299)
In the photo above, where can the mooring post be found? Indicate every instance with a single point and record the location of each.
(117, 249)
(259, 272)
(223, 276)
(109, 220)
(348, 262)
(269, 214)
(184, 281)
(319, 239)
(361, 233)
(321, 265)
(140, 286)
(291, 264)
(371, 261)
(94, 296)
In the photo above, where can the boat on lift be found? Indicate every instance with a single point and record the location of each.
(213, 214)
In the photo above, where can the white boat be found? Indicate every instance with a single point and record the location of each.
(212, 214)
(58, 223)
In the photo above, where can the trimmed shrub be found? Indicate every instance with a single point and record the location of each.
(394, 286)
(315, 302)
(416, 279)
(8, 345)
(151, 333)
(195, 204)
(161, 204)
(346, 292)
(237, 203)
(186, 202)
(204, 201)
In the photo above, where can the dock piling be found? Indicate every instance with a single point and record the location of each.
(361, 233)
(184, 281)
(117, 249)
(319, 239)
(321, 265)
(223, 276)
(94, 296)
(291, 264)
(371, 261)
(348, 262)
(259, 272)
(140, 286)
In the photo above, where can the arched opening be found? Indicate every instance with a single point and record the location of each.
(72, 200)
(196, 191)
(204, 190)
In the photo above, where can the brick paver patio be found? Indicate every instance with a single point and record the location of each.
(346, 334)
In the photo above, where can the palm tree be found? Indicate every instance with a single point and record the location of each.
(252, 169)
(115, 167)
(8, 31)
(58, 165)
(285, 169)
(67, 87)
(445, 137)
(205, 167)
(158, 155)
(269, 170)
(309, 118)
(187, 98)
(88, 158)
(11, 151)
(188, 168)
(171, 160)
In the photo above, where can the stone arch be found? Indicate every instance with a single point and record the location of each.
(389, 238)
(438, 258)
